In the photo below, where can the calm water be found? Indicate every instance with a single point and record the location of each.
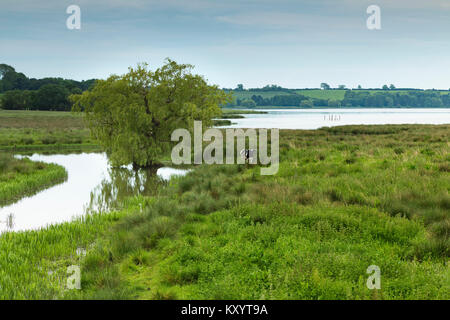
(92, 185)
(314, 119)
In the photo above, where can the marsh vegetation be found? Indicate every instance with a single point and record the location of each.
(43, 130)
(22, 177)
(343, 199)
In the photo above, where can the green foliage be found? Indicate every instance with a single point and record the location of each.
(52, 96)
(283, 251)
(396, 98)
(325, 86)
(306, 104)
(22, 93)
(334, 103)
(22, 177)
(133, 115)
(248, 103)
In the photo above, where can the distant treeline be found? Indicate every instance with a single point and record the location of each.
(18, 92)
(278, 100)
(417, 98)
(266, 88)
(353, 98)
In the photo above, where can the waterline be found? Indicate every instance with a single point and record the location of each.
(310, 119)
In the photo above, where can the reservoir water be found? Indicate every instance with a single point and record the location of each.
(92, 185)
(317, 118)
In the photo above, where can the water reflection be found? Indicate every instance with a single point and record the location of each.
(92, 185)
(8, 222)
(120, 184)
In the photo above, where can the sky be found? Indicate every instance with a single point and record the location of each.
(291, 43)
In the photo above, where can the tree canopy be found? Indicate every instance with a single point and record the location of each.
(23, 93)
(325, 86)
(133, 115)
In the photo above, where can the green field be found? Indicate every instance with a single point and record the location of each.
(323, 94)
(265, 94)
(343, 199)
(310, 93)
(43, 130)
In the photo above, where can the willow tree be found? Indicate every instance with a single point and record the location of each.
(133, 115)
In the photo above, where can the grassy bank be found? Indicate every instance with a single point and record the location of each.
(23, 177)
(33, 264)
(234, 111)
(42, 130)
(344, 198)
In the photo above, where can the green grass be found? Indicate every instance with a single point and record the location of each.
(42, 130)
(38, 119)
(33, 264)
(323, 94)
(311, 93)
(23, 177)
(344, 198)
(265, 94)
(288, 251)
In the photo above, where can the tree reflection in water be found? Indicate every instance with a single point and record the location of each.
(121, 184)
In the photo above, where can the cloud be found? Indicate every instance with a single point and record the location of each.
(224, 38)
(284, 20)
(192, 5)
(399, 4)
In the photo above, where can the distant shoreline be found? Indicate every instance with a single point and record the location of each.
(320, 108)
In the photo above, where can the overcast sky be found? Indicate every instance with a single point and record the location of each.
(292, 43)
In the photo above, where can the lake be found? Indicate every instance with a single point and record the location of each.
(92, 185)
(314, 119)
